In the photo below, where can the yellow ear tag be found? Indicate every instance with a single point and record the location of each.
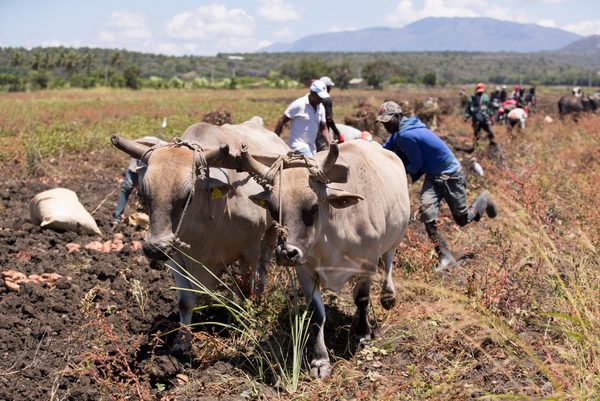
(216, 193)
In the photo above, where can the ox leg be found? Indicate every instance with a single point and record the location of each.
(388, 291)
(362, 291)
(320, 366)
(186, 302)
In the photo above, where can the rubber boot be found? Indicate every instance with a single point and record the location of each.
(446, 260)
(484, 204)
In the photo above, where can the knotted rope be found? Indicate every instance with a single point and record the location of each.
(275, 171)
(200, 170)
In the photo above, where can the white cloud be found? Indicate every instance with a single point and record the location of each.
(264, 43)
(214, 21)
(126, 26)
(126, 29)
(278, 11)
(336, 28)
(447, 8)
(284, 32)
(590, 27)
(546, 22)
(406, 11)
(403, 14)
(124, 19)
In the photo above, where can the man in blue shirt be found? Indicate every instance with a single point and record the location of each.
(424, 153)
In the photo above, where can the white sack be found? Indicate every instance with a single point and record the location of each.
(350, 133)
(59, 208)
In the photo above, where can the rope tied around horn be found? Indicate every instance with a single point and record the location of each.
(200, 170)
(284, 161)
(267, 180)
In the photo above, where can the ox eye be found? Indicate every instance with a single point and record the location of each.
(309, 216)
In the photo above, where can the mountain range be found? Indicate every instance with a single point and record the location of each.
(589, 45)
(437, 34)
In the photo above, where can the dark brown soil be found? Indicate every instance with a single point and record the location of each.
(51, 338)
(80, 338)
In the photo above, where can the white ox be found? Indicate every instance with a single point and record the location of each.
(340, 230)
(221, 224)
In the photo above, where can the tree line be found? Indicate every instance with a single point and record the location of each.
(59, 67)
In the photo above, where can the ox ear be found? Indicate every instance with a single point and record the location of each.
(217, 188)
(341, 199)
(218, 184)
(261, 198)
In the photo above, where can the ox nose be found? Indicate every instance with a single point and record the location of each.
(289, 255)
(155, 250)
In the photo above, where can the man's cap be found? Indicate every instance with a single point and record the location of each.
(517, 87)
(480, 87)
(327, 81)
(319, 88)
(388, 110)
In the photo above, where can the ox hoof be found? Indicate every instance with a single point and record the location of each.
(363, 331)
(388, 300)
(320, 368)
(363, 338)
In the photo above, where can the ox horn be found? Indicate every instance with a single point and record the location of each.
(251, 165)
(219, 157)
(329, 161)
(132, 148)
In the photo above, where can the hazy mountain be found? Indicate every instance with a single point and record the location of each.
(437, 34)
(589, 44)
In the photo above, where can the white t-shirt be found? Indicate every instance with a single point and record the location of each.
(517, 114)
(304, 124)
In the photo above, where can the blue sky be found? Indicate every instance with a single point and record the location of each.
(208, 27)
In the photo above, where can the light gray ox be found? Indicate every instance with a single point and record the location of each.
(221, 224)
(338, 230)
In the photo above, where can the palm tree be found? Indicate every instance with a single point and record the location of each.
(116, 59)
(17, 58)
(71, 62)
(87, 61)
(39, 61)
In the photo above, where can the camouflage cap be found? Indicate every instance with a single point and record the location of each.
(388, 110)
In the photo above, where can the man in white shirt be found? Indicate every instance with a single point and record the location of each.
(307, 116)
(516, 116)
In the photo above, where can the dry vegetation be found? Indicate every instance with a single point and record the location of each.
(518, 319)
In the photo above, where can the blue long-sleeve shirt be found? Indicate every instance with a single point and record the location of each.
(422, 151)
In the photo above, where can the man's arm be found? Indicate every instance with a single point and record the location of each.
(328, 105)
(467, 112)
(282, 121)
(325, 132)
(410, 148)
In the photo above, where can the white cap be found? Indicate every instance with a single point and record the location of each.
(327, 81)
(320, 89)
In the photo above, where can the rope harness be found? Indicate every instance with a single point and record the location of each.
(274, 172)
(200, 171)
